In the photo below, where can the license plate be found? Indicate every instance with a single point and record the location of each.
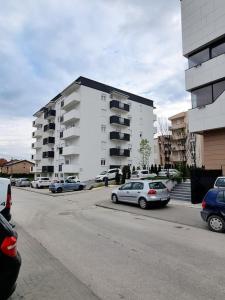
(163, 199)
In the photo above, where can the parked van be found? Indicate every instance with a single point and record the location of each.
(5, 198)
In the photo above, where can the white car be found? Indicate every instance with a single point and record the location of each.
(5, 198)
(41, 182)
(142, 174)
(74, 178)
(170, 172)
(111, 174)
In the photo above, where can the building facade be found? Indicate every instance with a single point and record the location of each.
(17, 167)
(88, 128)
(162, 149)
(203, 33)
(179, 129)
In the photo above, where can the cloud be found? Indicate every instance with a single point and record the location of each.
(134, 45)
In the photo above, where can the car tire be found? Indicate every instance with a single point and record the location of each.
(114, 198)
(143, 203)
(216, 223)
(53, 192)
(37, 187)
(81, 187)
(59, 190)
(164, 203)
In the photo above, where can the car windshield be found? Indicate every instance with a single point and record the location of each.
(157, 185)
(103, 173)
(220, 182)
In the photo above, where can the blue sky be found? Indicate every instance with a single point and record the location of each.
(134, 45)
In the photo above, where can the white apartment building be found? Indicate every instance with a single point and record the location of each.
(88, 128)
(203, 30)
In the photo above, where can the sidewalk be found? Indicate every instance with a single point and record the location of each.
(42, 276)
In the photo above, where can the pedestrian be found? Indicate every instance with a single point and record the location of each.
(106, 181)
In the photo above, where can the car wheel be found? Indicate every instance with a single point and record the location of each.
(164, 203)
(81, 187)
(37, 187)
(53, 192)
(59, 190)
(216, 223)
(143, 203)
(114, 198)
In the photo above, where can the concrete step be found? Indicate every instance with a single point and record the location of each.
(180, 193)
(180, 198)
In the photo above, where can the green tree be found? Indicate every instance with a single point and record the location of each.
(145, 151)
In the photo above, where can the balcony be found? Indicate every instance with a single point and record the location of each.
(70, 117)
(179, 148)
(71, 150)
(119, 106)
(37, 122)
(50, 126)
(119, 152)
(179, 137)
(178, 126)
(48, 154)
(50, 114)
(49, 140)
(37, 133)
(71, 132)
(36, 145)
(115, 120)
(36, 157)
(47, 169)
(71, 169)
(71, 101)
(115, 135)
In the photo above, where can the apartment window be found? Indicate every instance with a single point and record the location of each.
(103, 128)
(61, 134)
(60, 150)
(218, 89)
(60, 168)
(102, 162)
(56, 174)
(199, 58)
(62, 103)
(218, 50)
(61, 119)
(103, 97)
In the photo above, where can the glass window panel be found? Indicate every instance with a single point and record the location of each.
(198, 58)
(220, 196)
(218, 89)
(201, 97)
(218, 50)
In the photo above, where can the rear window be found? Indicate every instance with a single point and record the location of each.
(44, 178)
(144, 172)
(157, 185)
(220, 182)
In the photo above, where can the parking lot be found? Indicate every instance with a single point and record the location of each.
(81, 246)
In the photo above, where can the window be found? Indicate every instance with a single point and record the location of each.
(103, 128)
(103, 97)
(137, 186)
(62, 103)
(61, 134)
(157, 185)
(56, 174)
(126, 186)
(60, 150)
(218, 89)
(198, 58)
(220, 196)
(102, 162)
(201, 97)
(218, 50)
(60, 168)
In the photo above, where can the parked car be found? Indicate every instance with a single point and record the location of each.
(142, 174)
(170, 172)
(111, 174)
(10, 260)
(75, 178)
(213, 209)
(23, 182)
(41, 182)
(67, 185)
(142, 192)
(5, 198)
(13, 181)
(220, 182)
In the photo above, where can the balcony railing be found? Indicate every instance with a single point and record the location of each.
(37, 122)
(47, 169)
(71, 101)
(71, 150)
(118, 105)
(50, 114)
(70, 132)
(71, 169)
(50, 126)
(70, 116)
(115, 135)
(36, 145)
(119, 121)
(37, 133)
(48, 154)
(49, 140)
(119, 152)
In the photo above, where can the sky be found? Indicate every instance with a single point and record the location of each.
(134, 45)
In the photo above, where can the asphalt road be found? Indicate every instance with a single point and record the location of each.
(73, 249)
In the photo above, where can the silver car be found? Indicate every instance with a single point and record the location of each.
(142, 192)
(23, 182)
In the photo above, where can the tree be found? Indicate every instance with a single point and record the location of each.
(145, 150)
(164, 140)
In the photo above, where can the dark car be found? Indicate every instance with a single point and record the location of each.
(10, 260)
(213, 209)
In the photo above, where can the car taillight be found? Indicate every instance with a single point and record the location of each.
(152, 192)
(203, 204)
(9, 246)
(9, 198)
